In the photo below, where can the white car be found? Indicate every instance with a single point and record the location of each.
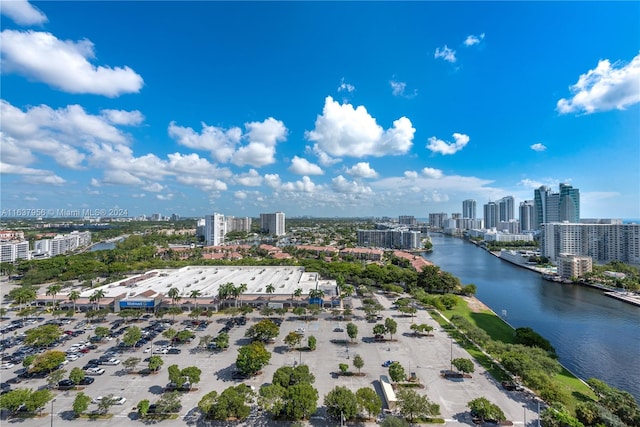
(7, 365)
(116, 400)
(72, 357)
(94, 371)
(160, 350)
(111, 362)
(147, 350)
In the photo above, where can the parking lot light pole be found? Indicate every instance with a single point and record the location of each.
(52, 400)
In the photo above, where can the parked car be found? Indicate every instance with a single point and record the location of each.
(387, 363)
(86, 381)
(174, 351)
(7, 365)
(66, 385)
(111, 362)
(94, 371)
(116, 400)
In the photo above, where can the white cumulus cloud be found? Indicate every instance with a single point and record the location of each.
(343, 130)
(432, 173)
(220, 142)
(445, 53)
(301, 166)
(538, 147)
(399, 89)
(64, 64)
(471, 39)
(123, 118)
(22, 13)
(362, 170)
(607, 87)
(410, 174)
(340, 184)
(346, 87)
(249, 179)
(263, 137)
(443, 147)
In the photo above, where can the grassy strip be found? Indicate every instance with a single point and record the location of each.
(499, 330)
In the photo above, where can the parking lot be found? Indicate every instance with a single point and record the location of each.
(425, 356)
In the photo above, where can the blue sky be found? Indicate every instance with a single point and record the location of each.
(320, 109)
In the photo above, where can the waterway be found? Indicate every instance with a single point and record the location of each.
(594, 335)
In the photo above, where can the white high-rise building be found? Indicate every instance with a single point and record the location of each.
(13, 251)
(273, 223)
(527, 214)
(506, 208)
(490, 215)
(602, 242)
(215, 227)
(469, 209)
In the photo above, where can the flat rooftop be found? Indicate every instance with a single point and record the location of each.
(209, 279)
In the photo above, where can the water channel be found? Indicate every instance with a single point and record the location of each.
(594, 335)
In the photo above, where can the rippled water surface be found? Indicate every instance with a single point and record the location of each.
(594, 335)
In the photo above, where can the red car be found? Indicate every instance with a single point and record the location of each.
(84, 350)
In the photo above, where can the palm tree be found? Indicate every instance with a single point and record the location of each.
(96, 296)
(53, 290)
(174, 294)
(224, 292)
(195, 294)
(73, 297)
(316, 293)
(239, 290)
(297, 293)
(270, 290)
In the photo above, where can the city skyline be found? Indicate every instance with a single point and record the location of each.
(317, 109)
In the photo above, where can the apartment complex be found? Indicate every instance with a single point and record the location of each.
(62, 243)
(570, 266)
(409, 220)
(556, 207)
(395, 238)
(215, 228)
(438, 220)
(604, 241)
(469, 209)
(273, 223)
(13, 251)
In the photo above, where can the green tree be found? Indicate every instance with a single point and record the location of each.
(96, 296)
(28, 361)
(352, 331)
(175, 375)
(271, 398)
(293, 339)
(207, 401)
(394, 422)
(170, 334)
(131, 336)
(486, 410)
(53, 290)
(341, 402)
(397, 373)
(169, 402)
(101, 332)
(263, 331)
(390, 326)
(155, 362)
(222, 341)
(300, 311)
(270, 290)
(130, 363)
(369, 401)
(463, 365)
(413, 405)
(379, 329)
(344, 368)
(192, 373)
(55, 377)
(80, 403)
(301, 401)
(195, 294)
(22, 295)
(73, 297)
(358, 362)
(76, 375)
(232, 402)
(48, 361)
(287, 376)
(312, 342)
(14, 399)
(143, 407)
(38, 399)
(42, 336)
(105, 403)
(252, 358)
